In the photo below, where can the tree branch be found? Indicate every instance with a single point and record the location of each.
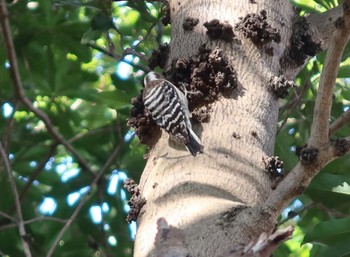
(20, 224)
(20, 94)
(5, 29)
(340, 122)
(299, 178)
(323, 104)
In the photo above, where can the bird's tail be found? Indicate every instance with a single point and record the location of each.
(194, 144)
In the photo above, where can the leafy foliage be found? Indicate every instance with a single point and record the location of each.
(69, 55)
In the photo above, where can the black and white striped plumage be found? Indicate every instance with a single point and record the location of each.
(168, 107)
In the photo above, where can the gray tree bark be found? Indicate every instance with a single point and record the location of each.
(217, 199)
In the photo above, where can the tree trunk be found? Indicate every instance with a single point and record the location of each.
(216, 198)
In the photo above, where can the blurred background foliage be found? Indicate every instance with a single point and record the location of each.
(81, 62)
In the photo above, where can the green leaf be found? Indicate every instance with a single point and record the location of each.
(75, 46)
(129, 22)
(329, 231)
(346, 94)
(101, 22)
(116, 99)
(339, 249)
(90, 35)
(346, 52)
(7, 246)
(344, 69)
(326, 4)
(308, 6)
(128, 86)
(339, 184)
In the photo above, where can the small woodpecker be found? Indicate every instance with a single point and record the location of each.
(168, 107)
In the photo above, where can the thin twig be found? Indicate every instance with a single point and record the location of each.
(37, 171)
(332, 213)
(323, 104)
(148, 33)
(291, 105)
(127, 51)
(92, 132)
(20, 224)
(44, 219)
(69, 222)
(296, 213)
(38, 219)
(340, 122)
(104, 51)
(110, 43)
(121, 41)
(131, 51)
(100, 188)
(7, 216)
(84, 199)
(298, 96)
(95, 245)
(117, 57)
